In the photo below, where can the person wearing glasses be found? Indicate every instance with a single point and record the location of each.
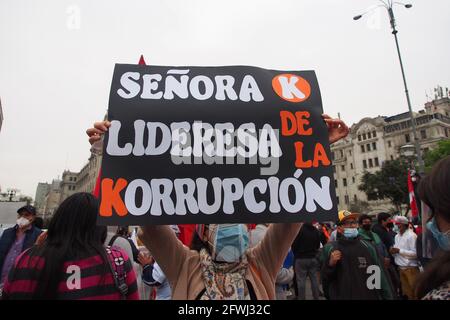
(352, 268)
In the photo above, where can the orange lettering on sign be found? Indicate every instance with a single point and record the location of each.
(111, 197)
(320, 155)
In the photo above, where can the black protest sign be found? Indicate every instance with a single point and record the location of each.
(234, 144)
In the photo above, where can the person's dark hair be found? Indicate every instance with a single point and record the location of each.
(364, 217)
(436, 273)
(433, 189)
(382, 216)
(38, 222)
(122, 231)
(197, 243)
(72, 234)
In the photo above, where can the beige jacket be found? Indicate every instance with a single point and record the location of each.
(182, 265)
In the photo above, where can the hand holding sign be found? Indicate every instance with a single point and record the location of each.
(337, 129)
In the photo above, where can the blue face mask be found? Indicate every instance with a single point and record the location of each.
(350, 233)
(443, 239)
(230, 243)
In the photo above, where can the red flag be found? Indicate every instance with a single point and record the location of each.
(412, 197)
(96, 191)
(142, 61)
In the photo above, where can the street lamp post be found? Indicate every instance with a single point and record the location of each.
(389, 4)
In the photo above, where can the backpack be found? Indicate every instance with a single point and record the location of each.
(116, 263)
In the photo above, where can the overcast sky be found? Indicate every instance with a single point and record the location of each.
(57, 58)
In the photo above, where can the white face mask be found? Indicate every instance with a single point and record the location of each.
(23, 222)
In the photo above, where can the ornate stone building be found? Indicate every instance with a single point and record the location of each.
(87, 177)
(372, 141)
(68, 184)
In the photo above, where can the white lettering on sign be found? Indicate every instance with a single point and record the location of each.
(177, 83)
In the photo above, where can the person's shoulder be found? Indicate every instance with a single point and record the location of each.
(9, 230)
(412, 234)
(440, 293)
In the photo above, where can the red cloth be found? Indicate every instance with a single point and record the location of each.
(186, 233)
(412, 197)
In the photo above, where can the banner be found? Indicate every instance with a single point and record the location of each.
(235, 144)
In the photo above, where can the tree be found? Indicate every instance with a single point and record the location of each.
(388, 183)
(359, 206)
(28, 200)
(433, 156)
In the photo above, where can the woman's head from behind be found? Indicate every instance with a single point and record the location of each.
(74, 223)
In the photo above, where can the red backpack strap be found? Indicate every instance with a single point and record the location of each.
(117, 265)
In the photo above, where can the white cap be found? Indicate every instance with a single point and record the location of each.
(401, 220)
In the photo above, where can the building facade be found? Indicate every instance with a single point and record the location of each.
(68, 184)
(87, 176)
(52, 199)
(42, 190)
(372, 141)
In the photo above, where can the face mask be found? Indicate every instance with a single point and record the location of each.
(396, 229)
(230, 242)
(350, 233)
(443, 239)
(23, 222)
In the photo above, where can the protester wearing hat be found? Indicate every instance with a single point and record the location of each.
(405, 256)
(345, 274)
(17, 239)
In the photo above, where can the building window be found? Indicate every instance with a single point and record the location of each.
(359, 137)
(350, 152)
(389, 143)
(334, 169)
(374, 145)
(377, 163)
(374, 134)
(342, 168)
(364, 164)
(355, 198)
(74, 178)
(337, 200)
(423, 134)
(346, 200)
(332, 155)
(341, 153)
(370, 163)
(364, 136)
(369, 135)
(362, 149)
(344, 181)
(368, 147)
(446, 132)
(392, 157)
(351, 166)
(407, 139)
(335, 183)
(353, 179)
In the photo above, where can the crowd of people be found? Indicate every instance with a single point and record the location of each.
(351, 258)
